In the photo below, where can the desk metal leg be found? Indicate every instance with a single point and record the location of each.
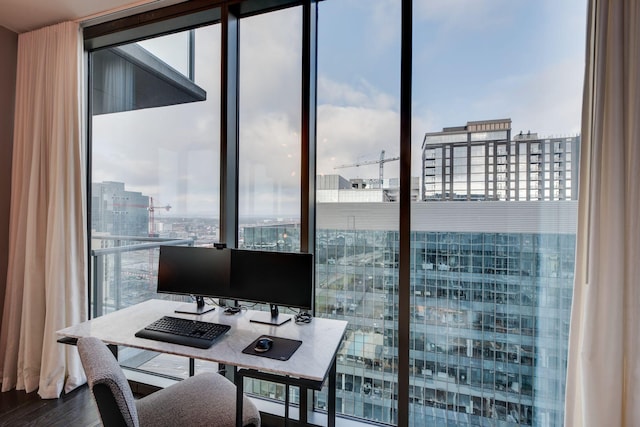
(304, 386)
(239, 395)
(331, 409)
(286, 405)
(114, 350)
(304, 395)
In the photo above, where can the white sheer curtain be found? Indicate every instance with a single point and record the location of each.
(603, 380)
(46, 279)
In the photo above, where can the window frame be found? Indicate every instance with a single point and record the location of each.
(229, 13)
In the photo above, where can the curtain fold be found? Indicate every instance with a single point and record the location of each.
(603, 375)
(46, 278)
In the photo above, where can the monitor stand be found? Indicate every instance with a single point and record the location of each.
(273, 317)
(199, 308)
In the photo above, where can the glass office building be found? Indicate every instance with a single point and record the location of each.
(490, 309)
(117, 211)
(491, 289)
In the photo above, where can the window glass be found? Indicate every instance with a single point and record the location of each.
(490, 283)
(154, 165)
(155, 157)
(270, 147)
(270, 84)
(495, 351)
(357, 233)
(173, 49)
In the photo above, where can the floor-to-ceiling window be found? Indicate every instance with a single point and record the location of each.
(269, 143)
(169, 113)
(269, 120)
(497, 96)
(154, 162)
(496, 117)
(154, 157)
(357, 226)
(495, 148)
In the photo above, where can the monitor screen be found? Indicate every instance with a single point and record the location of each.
(278, 278)
(197, 271)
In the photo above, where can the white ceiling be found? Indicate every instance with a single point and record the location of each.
(26, 15)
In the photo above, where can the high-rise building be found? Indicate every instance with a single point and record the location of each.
(117, 211)
(491, 281)
(482, 161)
(490, 308)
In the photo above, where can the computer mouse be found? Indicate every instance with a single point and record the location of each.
(263, 344)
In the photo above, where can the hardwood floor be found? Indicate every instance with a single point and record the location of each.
(77, 408)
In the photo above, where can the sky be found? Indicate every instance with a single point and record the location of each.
(472, 60)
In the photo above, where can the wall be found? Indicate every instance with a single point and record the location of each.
(8, 59)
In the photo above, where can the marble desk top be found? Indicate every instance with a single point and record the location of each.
(312, 361)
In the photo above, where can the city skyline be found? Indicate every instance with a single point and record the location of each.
(487, 279)
(472, 61)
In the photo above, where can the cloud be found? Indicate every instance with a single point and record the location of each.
(454, 15)
(364, 95)
(161, 152)
(547, 101)
(270, 58)
(270, 151)
(171, 153)
(354, 125)
(270, 166)
(385, 23)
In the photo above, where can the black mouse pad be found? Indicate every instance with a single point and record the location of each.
(282, 348)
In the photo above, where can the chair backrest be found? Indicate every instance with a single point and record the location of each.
(107, 382)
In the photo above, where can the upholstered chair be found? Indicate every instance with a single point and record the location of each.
(206, 399)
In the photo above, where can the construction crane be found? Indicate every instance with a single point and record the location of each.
(152, 221)
(381, 161)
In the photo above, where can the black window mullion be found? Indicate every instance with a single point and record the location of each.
(308, 126)
(404, 264)
(229, 132)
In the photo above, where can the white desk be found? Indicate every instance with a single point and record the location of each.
(308, 367)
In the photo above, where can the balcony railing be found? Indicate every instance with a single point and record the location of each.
(119, 281)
